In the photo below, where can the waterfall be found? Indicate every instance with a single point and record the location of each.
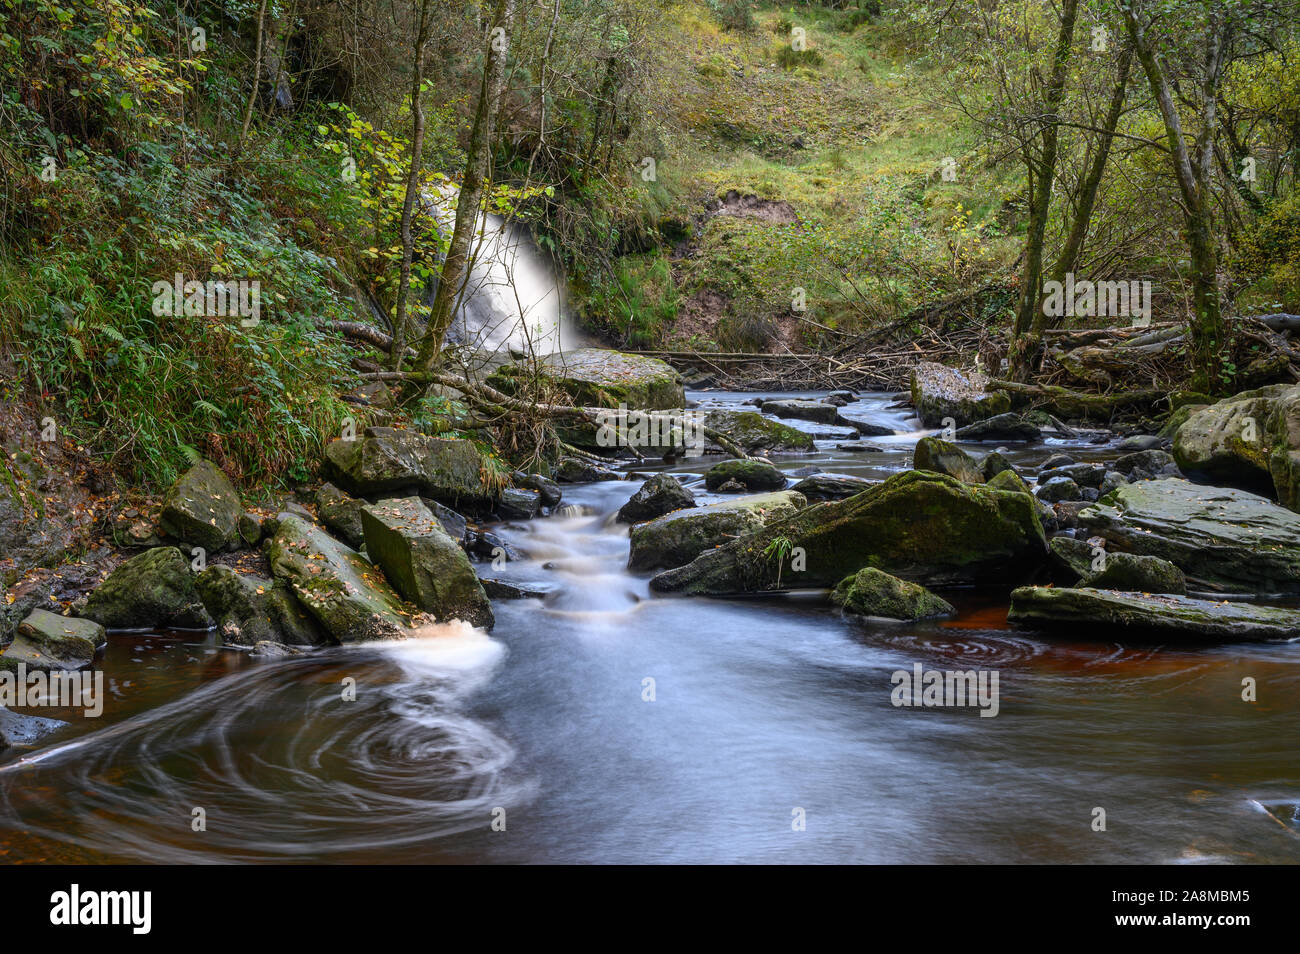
(512, 299)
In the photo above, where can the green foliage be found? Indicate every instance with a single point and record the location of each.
(636, 303)
(735, 15)
(1270, 253)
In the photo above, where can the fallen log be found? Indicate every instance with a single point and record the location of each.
(1077, 404)
(485, 397)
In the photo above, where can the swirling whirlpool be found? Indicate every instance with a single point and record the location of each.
(366, 749)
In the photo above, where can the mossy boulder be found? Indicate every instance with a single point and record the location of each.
(1008, 480)
(1245, 439)
(53, 643)
(202, 508)
(1221, 538)
(599, 378)
(1162, 616)
(754, 475)
(1142, 574)
(152, 590)
(424, 564)
(385, 460)
(677, 538)
(249, 609)
(940, 392)
(661, 494)
(920, 526)
(993, 464)
(871, 592)
(941, 457)
(348, 596)
(756, 434)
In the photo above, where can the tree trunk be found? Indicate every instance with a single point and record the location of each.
(412, 190)
(1069, 256)
(1026, 342)
(1193, 176)
(455, 268)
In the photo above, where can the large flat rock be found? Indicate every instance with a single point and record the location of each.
(599, 378)
(1108, 613)
(1219, 537)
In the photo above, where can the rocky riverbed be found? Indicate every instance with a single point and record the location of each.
(851, 507)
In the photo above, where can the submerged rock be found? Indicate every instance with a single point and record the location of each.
(385, 460)
(504, 590)
(659, 495)
(1162, 615)
(753, 475)
(202, 508)
(599, 378)
(50, 642)
(940, 392)
(154, 589)
(250, 609)
(423, 563)
(871, 592)
(920, 526)
(1220, 538)
(677, 538)
(348, 596)
(941, 457)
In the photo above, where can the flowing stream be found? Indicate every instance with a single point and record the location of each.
(760, 707)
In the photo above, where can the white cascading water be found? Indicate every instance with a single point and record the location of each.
(512, 299)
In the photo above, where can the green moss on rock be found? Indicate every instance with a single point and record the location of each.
(871, 592)
(918, 525)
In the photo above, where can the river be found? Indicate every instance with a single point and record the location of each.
(604, 724)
